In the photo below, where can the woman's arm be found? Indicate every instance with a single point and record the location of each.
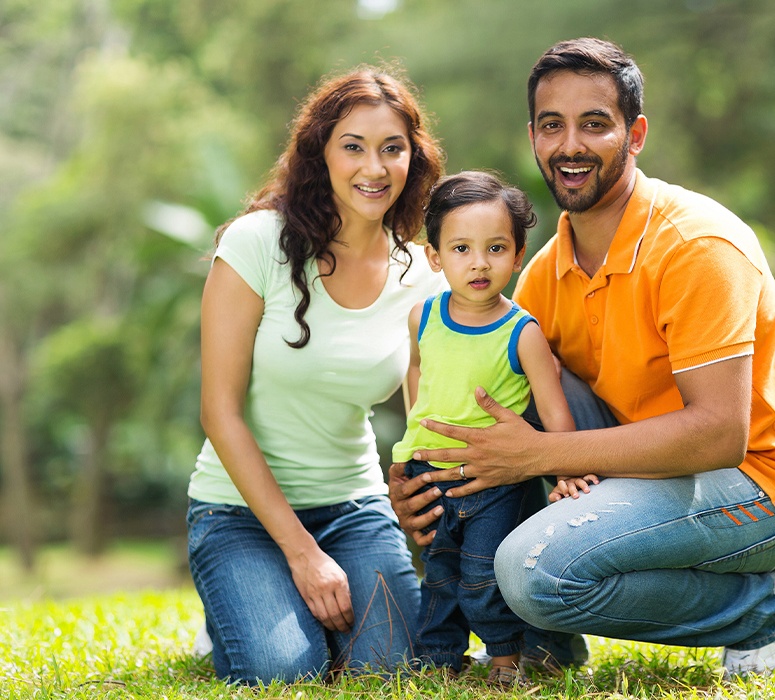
(231, 314)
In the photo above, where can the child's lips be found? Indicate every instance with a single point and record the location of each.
(480, 283)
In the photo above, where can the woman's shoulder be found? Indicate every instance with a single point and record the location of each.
(251, 246)
(255, 226)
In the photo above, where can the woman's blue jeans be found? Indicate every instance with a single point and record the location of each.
(682, 561)
(260, 626)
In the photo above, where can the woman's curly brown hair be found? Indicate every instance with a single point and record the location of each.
(299, 186)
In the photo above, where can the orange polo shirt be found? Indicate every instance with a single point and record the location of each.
(685, 283)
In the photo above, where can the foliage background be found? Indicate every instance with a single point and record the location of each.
(129, 129)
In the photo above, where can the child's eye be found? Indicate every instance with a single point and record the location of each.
(460, 248)
(497, 248)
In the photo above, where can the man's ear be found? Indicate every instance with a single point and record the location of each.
(530, 134)
(433, 257)
(638, 132)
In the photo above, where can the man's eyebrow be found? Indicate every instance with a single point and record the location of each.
(547, 113)
(602, 113)
(598, 113)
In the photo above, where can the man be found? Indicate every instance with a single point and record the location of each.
(662, 302)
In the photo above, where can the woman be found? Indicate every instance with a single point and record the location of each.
(293, 545)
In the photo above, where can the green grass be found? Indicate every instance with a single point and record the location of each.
(135, 645)
(65, 632)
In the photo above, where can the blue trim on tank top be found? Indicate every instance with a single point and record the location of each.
(472, 330)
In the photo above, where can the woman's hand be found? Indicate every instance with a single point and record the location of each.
(323, 585)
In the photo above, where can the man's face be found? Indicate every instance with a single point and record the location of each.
(580, 140)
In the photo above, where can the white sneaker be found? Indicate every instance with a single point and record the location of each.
(203, 645)
(740, 663)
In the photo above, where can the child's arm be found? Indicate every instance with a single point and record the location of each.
(537, 362)
(539, 366)
(413, 375)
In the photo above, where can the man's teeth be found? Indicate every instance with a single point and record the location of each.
(365, 188)
(577, 171)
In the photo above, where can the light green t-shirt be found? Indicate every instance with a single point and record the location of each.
(309, 408)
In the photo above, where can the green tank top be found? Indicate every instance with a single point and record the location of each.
(454, 360)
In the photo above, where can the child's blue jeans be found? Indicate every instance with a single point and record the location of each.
(459, 593)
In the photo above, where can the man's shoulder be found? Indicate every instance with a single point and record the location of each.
(692, 216)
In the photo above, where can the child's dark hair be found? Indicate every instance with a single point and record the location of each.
(475, 187)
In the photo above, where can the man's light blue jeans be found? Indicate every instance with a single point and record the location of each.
(681, 561)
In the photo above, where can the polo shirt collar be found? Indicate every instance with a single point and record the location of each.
(627, 239)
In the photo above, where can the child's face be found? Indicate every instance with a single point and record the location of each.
(476, 251)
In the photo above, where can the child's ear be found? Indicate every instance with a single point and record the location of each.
(433, 257)
(518, 258)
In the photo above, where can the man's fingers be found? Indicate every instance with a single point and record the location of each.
(404, 488)
(451, 454)
(420, 522)
(459, 432)
(489, 404)
(423, 540)
(397, 470)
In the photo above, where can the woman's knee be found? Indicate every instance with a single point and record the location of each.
(255, 664)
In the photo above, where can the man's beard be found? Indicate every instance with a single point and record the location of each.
(577, 201)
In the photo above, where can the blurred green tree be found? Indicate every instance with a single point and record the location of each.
(130, 129)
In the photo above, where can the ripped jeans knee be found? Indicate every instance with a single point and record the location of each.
(651, 560)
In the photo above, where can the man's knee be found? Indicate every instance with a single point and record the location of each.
(522, 583)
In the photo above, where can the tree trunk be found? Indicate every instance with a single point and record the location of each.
(18, 507)
(88, 528)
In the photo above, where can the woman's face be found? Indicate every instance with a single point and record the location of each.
(367, 157)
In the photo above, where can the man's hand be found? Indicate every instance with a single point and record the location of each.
(407, 502)
(497, 455)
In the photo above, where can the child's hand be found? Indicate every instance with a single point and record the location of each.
(569, 486)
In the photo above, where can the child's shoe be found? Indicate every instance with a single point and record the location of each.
(506, 677)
